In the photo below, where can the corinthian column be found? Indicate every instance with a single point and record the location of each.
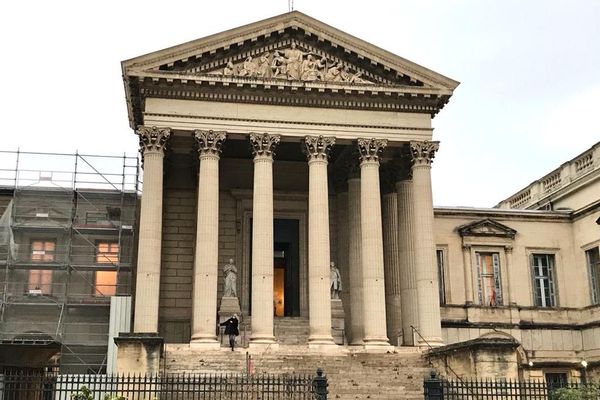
(152, 145)
(263, 146)
(317, 150)
(391, 260)
(372, 245)
(206, 269)
(425, 258)
(406, 249)
(354, 257)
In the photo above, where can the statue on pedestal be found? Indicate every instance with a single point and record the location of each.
(336, 281)
(230, 273)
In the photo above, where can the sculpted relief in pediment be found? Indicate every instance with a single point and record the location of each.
(292, 64)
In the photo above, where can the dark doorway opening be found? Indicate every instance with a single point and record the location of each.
(286, 267)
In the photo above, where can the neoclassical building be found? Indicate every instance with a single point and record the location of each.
(270, 139)
(285, 145)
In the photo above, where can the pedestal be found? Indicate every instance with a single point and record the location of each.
(139, 353)
(338, 326)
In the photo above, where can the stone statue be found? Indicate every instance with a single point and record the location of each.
(249, 68)
(230, 273)
(336, 281)
(264, 66)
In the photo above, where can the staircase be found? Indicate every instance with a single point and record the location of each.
(352, 374)
(291, 330)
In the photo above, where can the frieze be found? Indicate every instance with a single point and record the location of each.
(293, 64)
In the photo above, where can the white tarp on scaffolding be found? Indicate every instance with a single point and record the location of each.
(120, 321)
(7, 240)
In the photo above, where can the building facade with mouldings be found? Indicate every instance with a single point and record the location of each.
(287, 144)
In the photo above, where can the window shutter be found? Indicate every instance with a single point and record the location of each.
(497, 279)
(479, 292)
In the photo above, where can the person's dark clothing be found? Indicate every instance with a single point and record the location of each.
(231, 326)
(231, 329)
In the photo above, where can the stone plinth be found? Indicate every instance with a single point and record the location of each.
(228, 307)
(139, 353)
(338, 326)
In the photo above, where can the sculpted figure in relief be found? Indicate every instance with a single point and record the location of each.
(230, 273)
(335, 281)
(293, 58)
(294, 64)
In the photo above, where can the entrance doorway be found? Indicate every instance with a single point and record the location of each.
(286, 267)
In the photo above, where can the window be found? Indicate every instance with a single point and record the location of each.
(106, 283)
(107, 253)
(43, 250)
(543, 280)
(40, 280)
(488, 279)
(592, 257)
(441, 277)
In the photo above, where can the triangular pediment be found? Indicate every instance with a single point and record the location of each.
(265, 50)
(271, 60)
(486, 227)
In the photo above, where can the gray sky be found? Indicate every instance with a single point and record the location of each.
(529, 72)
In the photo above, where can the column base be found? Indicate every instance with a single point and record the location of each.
(263, 344)
(433, 342)
(205, 344)
(357, 342)
(321, 342)
(139, 353)
(377, 345)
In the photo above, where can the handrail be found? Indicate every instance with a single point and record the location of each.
(431, 348)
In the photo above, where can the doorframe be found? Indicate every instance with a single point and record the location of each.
(285, 206)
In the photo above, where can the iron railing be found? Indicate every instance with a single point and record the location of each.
(436, 388)
(218, 386)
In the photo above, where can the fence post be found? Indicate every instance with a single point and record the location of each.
(320, 385)
(432, 387)
(1, 386)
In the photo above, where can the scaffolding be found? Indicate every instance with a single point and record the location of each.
(67, 227)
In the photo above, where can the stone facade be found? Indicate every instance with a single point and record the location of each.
(286, 169)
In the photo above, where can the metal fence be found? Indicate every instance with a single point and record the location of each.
(436, 388)
(164, 387)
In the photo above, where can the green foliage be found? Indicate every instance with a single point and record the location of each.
(580, 393)
(83, 394)
(114, 397)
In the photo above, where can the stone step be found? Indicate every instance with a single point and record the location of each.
(352, 374)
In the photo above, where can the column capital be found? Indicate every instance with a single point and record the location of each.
(508, 249)
(153, 138)
(210, 142)
(423, 152)
(466, 247)
(264, 144)
(370, 149)
(317, 147)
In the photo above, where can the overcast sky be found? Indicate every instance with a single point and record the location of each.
(529, 72)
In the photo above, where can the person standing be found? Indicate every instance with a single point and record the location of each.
(231, 329)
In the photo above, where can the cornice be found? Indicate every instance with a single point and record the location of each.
(458, 212)
(287, 95)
